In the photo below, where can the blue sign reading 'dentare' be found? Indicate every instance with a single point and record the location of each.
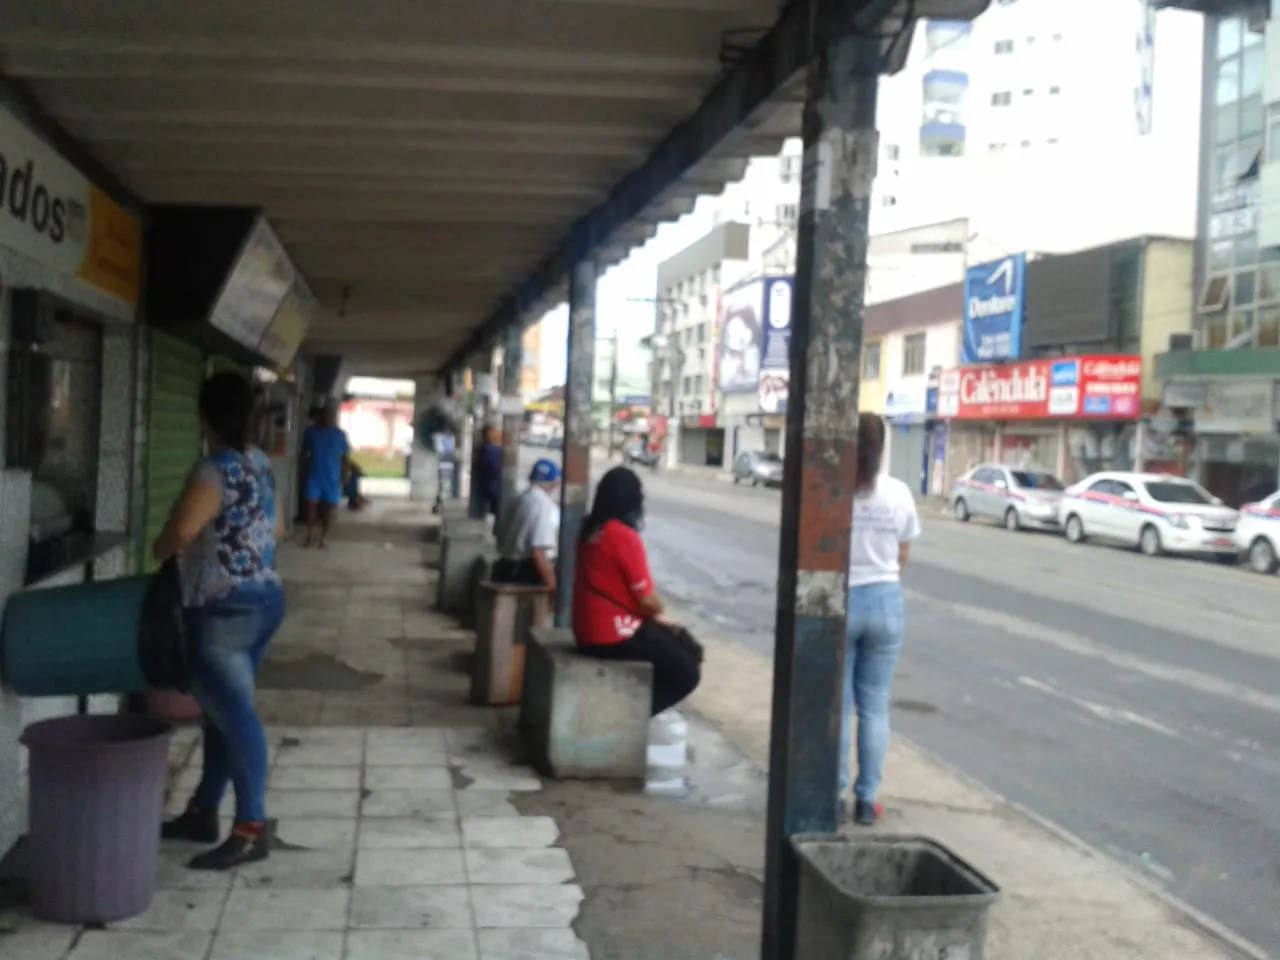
(993, 307)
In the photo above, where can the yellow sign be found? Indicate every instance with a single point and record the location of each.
(50, 212)
(113, 255)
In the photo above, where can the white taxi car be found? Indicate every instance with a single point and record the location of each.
(1155, 513)
(1258, 534)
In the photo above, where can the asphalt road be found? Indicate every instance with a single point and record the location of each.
(1135, 702)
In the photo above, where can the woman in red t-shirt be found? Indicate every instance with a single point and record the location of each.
(617, 613)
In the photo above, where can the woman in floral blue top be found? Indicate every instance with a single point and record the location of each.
(223, 532)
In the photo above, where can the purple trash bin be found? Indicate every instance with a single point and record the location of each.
(96, 799)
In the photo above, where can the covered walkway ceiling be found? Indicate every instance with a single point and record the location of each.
(425, 163)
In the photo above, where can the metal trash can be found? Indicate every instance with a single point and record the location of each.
(96, 800)
(888, 898)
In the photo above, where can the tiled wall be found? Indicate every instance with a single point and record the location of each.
(120, 481)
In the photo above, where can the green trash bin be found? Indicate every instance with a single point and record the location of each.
(114, 636)
(888, 898)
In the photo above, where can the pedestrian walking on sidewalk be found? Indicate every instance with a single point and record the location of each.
(222, 533)
(326, 453)
(617, 613)
(528, 531)
(884, 524)
(488, 470)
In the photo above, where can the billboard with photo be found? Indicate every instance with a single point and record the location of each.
(775, 345)
(739, 350)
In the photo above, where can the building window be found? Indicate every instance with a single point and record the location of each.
(913, 355)
(1026, 143)
(686, 385)
(787, 214)
(892, 152)
(1004, 46)
(1027, 91)
(1001, 98)
(697, 384)
(1054, 91)
(871, 360)
(1213, 298)
(996, 147)
(1268, 327)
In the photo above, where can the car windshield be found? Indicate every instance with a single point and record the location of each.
(1036, 481)
(768, 458)
(1170, 491)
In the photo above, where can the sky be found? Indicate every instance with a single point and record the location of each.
(625, 294)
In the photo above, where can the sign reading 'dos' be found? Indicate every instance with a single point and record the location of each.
(51, 213)
(994, 294)
(1082, 388)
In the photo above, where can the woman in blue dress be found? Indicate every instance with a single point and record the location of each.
(223, 532)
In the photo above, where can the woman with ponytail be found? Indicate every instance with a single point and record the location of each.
(222, 533)
(884, 524)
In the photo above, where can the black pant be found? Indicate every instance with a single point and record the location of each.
(676, 672)
(520, 572)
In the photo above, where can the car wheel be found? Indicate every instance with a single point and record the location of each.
(1262, 556)
(1011, 521)
(962, 510)
(1149, 541)
(1075, 529)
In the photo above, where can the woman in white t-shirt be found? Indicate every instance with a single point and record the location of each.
(884, 524)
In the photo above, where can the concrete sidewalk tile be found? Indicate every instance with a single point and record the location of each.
(407, 778)
(406, 908)
(325, 804)
(315, 778)
(321, 755)
(412, 945)
(319, 834)
(509, 832)
(419, 833)
(286, 910)
(317, 736)
(1060, 939)
(526, 905)
(300, 870)
(272, 945)
(407, 803)
(482, 777)
(405, 755)
(531, 945)
(178, 911)
(425, 737)
(114, 945)
(548, 865)
(173, 873)
(484, 803)
(409, 868)
(25, 938)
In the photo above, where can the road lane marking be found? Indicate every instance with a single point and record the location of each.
(1084, 647)
(1101, 711)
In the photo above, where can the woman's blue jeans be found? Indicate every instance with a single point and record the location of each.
(873, 641)
(228, 638)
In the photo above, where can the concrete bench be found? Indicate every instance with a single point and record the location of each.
(581, 717)
(464, 547)
(505, 613)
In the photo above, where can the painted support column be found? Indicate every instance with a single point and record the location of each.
(579, 380)
(482, 388)
(512, 409)
(822, 417)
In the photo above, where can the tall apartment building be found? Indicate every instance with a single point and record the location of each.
(1221, 386)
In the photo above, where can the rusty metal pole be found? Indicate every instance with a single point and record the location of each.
(822, 415)
(579, 383)
(512, 416)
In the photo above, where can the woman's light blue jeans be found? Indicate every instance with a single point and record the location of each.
(228, 639)
(873, 638)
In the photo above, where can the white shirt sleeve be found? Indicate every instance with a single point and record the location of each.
(546, 527)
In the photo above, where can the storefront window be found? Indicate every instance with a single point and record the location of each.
(1269, 327)
(1100, 446)
(1230, 36)
(1243, 295)
(55, 365)
(1215, 332)
(1241, 324)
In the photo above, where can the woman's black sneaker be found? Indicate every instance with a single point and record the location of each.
(867, 812)
(193, 826)
(239, 848)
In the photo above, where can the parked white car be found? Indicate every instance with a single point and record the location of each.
(1016, 498)
(1155, 513)
(1258, 533)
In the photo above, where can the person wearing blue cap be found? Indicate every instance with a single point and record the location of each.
(528, 531)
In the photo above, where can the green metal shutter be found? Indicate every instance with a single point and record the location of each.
(173, 429)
